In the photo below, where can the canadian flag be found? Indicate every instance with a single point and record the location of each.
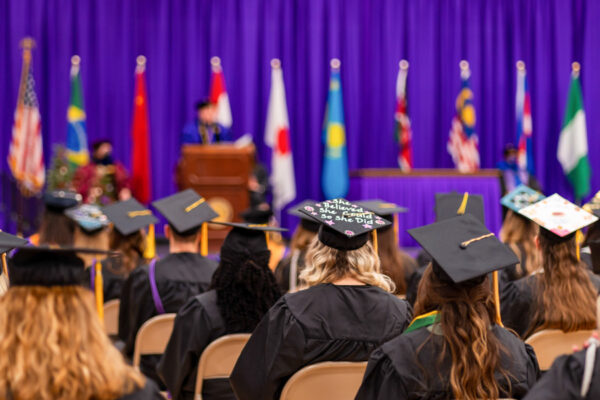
(277, 137)
(218, 94)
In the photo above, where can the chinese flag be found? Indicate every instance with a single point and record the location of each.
(141, 183)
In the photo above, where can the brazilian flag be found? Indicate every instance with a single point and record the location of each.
(335, 180)
(77, 147)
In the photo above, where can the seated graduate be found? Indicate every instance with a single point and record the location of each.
(563, 295)
(455, 348)
(520, 233)
(56, 228)
(243, 289)
(263, 215)
(395, 263)
(290, 267)
(166, 284)
(572, 377)
(204, 129)
(91, 230)
(52, 341)
(590, 254)
(345, 313)
(447, 205)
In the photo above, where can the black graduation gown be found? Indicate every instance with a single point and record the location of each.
(399, 370)
(112, 279)
(516, 301)
(150, 391)
(282, 272)
(563, 380)
(323, 323)
(198, 323)
(179, 276)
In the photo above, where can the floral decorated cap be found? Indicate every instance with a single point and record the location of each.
(89, 217)
(344, 225)
(521, 197)
(593, 206)
(558, 215)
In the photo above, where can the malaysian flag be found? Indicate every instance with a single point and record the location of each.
(25, 157)
(524, 126)
(403, 129)
(463, 144)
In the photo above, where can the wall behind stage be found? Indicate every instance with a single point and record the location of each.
(370, 37)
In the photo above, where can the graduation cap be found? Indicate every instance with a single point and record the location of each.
(129, 216)
(593, 206)
(463, 247)
(384, 209)
(344, 226)
(257, 216)
(246, 238)
(448, 205)
(521, 197)
(306, 222)
(89, 217)
(60, 200)
(9, 242)
(559, 216)
(186, 211)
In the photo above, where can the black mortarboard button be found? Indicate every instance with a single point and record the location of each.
(186, 211)
(306, 222)
(447, 205)
(257, 216)
(129, 216)
(89, 217)
(59, 200)
(463, 247)
(344, 226)
(9, 242)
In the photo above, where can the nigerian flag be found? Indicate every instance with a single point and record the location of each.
(572, 144)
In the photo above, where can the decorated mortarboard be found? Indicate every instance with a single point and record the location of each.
(257, 216)
(593, 206)
(344, 226)
(246, 238)
(186, 211)
(558, 215)
(60, 200)
(89, 217)
(9, 242)
(521, 197)
(382, 208)
(447, 205)
(308, 223)
(129, 216)
(463, 247)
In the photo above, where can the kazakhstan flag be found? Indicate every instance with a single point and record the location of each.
(77, 147)
(334, 180)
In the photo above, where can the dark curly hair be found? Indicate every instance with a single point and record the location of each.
(246, 289)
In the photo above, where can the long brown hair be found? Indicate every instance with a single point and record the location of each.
(566, 298)
(132, 249)
(466, 314)
(301, 238)
(518, 230)
(57, 348)
(56, 229)
(392, 263)
(97, 241)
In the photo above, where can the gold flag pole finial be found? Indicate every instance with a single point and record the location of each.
(141, 63)
(520, 66)
(215, 62)
(576, 68)
(75, 61)
(335, 63)
(465, 72)
(404, 64)
(27, 44)
(275, 63)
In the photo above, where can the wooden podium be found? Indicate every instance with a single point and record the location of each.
(218, 172)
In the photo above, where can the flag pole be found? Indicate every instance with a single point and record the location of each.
(575, 69)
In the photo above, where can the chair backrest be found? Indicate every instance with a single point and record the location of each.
(598, 311)
(332, 380)
(219, 358)
(153, 336)
(552, 343)
(111, 317)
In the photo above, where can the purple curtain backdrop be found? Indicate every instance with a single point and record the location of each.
(370, 37)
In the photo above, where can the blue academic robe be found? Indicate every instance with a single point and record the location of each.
(191, 135)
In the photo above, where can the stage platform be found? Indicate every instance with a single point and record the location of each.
(416, 190)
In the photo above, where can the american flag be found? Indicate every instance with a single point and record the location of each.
(463, 144)
(403, 129)
(524, 126)
(25, 157)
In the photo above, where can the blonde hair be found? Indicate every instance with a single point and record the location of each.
(53, 347)
(327, 265)
(519, 230)
(301, 238)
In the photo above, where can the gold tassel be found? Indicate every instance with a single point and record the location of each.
(396, 229)
(267, 240)
(497, 298)
(204, 240)
(375, 244)
(150, 250)
(463, 206)
(99, 289)
(578, 242)
(4, 266)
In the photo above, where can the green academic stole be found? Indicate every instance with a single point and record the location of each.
(423, 320)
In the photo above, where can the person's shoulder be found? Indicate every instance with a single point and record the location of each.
(205, 299)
